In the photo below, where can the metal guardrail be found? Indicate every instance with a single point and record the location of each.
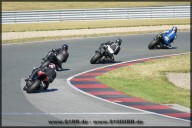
(10, 17)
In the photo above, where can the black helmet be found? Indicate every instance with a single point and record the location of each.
(174, 29)
(65, 47)
(119, 41)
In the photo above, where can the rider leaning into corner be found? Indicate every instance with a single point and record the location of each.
(57, 51)
(114, 47)
(50, 71)
(169, 37)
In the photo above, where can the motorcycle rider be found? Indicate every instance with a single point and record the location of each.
(50, 71)
(113, 47)
(64, 51)
(169, 37)
(51, 74)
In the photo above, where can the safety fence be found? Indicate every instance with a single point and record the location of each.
(9, 17)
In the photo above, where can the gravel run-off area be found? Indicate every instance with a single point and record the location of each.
(181, 80)
(33, 34)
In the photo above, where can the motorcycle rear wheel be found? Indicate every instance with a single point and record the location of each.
(45, 63)
(34, 86)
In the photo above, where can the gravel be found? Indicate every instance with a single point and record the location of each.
(180, 79)
(33, 34)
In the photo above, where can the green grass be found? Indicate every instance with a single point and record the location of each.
(18, 6)
(148, 80)
(70, 25)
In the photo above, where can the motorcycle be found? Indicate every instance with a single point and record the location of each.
(54, 58)
(156, 43)
(102, 55)
(35, 81)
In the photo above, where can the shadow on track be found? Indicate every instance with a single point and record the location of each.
(109, 62)
(44, 91)
(164, 48)
(67, 69)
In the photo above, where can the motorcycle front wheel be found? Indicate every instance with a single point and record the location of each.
(153, 44)
(95, 58)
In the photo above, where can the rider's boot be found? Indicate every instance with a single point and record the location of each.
(45, 85)
(25, 87)
(112, 59)
(59, 67)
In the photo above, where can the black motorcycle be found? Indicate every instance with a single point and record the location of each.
(35, 81)
(102, 55)
(157, 42)
(54, 58)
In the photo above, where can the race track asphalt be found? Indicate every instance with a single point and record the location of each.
(61, 101)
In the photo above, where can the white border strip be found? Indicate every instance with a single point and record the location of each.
(69, 83)
(92, 113)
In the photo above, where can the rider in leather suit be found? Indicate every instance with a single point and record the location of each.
(169, 37)
(57, 51)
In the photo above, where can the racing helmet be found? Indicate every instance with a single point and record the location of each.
(174, 29)
(118, 41)
(65, 47)
(51, 65)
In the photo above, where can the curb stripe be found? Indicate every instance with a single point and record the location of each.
(91, 86)
(91, 74)
(136, 103)
(97, 71)
(164, 111)
(113, 96)
(108, 69)
(97, 89)
(106, 93)
(126, 99)
(178, 114)
(84, 79)
(86, 83)
(150, 107)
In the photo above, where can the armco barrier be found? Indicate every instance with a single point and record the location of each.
(10, 17)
